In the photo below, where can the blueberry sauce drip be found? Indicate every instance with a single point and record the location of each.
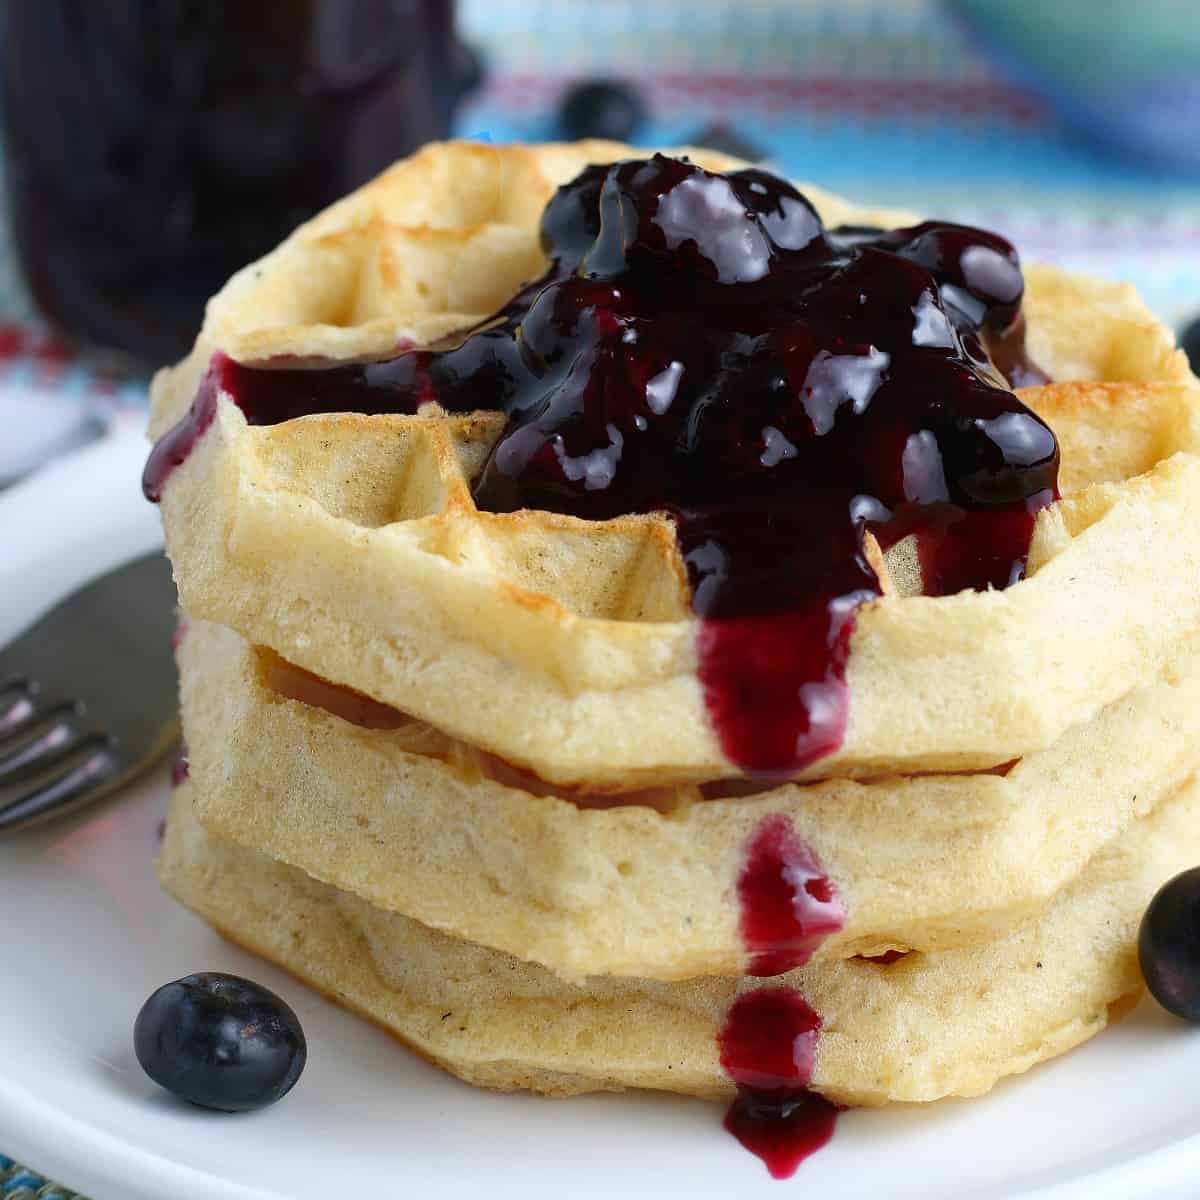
(173, 449)
(768, 1047)
(701, 346)
(788, 904)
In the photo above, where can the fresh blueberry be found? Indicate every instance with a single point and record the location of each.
(1169, 945)
(1189, 341)
(601, 108)
(220, 1041)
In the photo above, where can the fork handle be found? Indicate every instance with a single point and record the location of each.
(73, 519)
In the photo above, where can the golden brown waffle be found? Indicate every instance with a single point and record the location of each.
(421, 825)
(351, 545)
(944, 1024)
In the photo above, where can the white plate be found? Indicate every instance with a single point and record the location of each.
(38, 422)
(87, 935)
(72, 520)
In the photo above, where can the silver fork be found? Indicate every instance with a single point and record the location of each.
(87, 694)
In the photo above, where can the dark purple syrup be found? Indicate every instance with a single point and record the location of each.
(788, 907)
(174, 447)
(701, 345)
(788, 904)
(180, 768)
(768, 1047)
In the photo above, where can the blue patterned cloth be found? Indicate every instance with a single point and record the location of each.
(20, 1183)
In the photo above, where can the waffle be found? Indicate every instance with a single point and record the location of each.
(350, 544)
(418, 824)
(950, 1023)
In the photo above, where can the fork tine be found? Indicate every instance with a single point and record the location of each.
(51, 735)
(16, 705)
(81, 776)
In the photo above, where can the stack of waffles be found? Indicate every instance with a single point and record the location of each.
(458, 769)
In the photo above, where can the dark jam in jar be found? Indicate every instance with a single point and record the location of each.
(155, 146)
(701, 346)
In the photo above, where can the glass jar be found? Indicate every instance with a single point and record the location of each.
(155, 146)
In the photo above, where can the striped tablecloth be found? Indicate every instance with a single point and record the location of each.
(880, 99)
(20, 1183)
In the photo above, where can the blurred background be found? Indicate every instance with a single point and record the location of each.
(152, 146)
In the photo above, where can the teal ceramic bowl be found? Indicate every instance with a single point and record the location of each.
(1125, 73)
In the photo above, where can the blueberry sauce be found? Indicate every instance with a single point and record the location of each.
(788, 907)
(180, 768)
(700, 345)
(173, 448)
(788, 904)
(768, 1047)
